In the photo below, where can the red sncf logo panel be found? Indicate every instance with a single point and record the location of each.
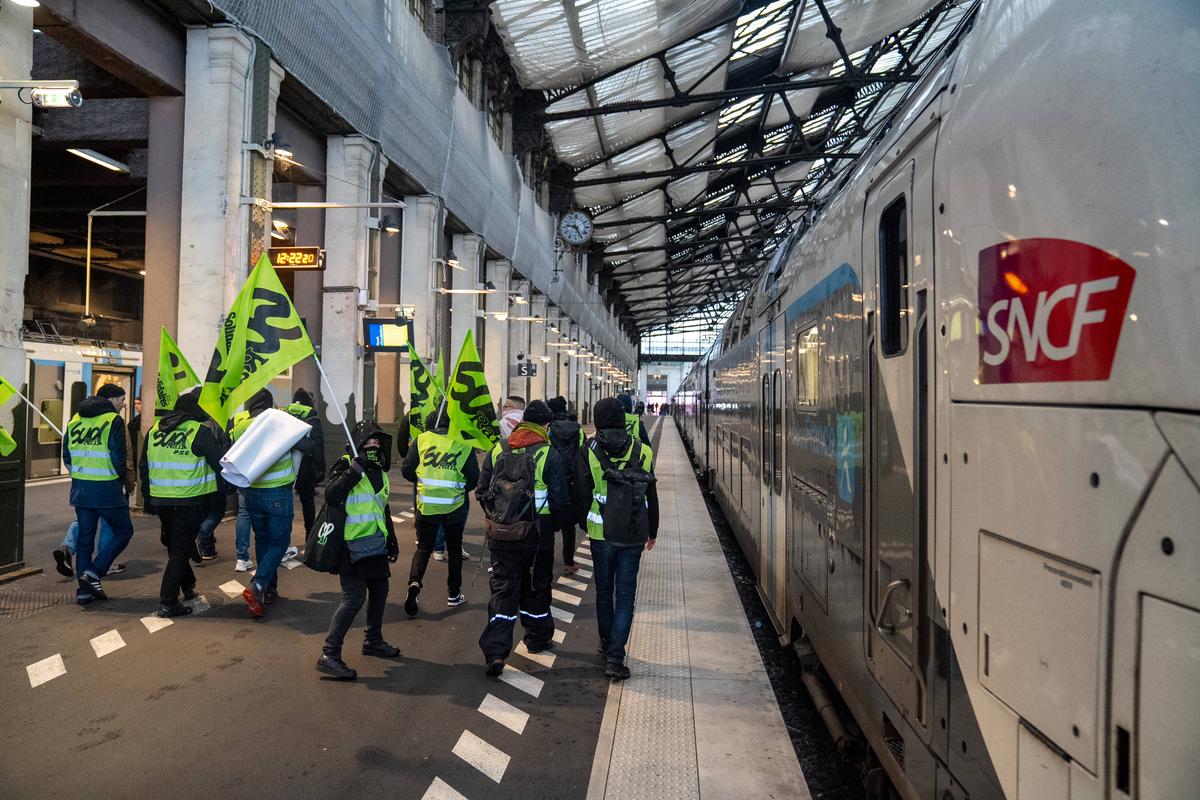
(1051, 310)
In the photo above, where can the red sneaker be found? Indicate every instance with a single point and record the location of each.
(253, 601)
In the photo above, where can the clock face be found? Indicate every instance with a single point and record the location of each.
(575, 228)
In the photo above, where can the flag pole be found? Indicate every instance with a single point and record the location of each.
(341, 411)
(39, 412)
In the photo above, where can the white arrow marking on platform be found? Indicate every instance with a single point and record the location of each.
(440, 790)
(558, 613)
(506, 714)
(108, 642)
(155, 624)
(565, 597)
(46, 670)
(546, 659)
(232, 588)
(481, 755)
(520, 680)
(572, 584)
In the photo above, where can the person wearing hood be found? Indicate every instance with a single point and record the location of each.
(95, 452)
(568, 438)
(312, 464)
(444, 470)
(632, 422)
(361, 485)
(523, 570)
(616, 555)
(180, 465)
(269, 504)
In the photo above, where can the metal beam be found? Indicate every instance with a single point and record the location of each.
(691, 169)
(709, 212)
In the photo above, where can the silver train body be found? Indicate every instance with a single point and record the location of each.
(955, 427)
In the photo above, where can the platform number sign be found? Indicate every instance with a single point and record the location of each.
(525, 369)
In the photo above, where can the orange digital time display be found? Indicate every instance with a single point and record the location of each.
(297, 257)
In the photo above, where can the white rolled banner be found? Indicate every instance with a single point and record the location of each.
(270, 435)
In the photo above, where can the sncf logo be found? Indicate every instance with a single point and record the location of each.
(1051, 311)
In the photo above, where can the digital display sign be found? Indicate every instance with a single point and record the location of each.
(296, 257)
(382, 335)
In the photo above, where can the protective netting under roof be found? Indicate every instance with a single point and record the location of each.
(690, 147)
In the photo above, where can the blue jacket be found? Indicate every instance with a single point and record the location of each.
(101, 494)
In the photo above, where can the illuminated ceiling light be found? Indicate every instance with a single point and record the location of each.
(44, 97)
(452, 260)
(99, 158)
(26, 3)
(389, 224)
(277, 234)
(280, 146)
(279, 224)
(142, 272)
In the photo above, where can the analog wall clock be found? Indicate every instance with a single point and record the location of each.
(575, 228)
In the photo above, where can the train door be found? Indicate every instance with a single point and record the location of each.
(772, 550)
(898, 358)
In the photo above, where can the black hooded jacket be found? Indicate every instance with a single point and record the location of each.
(312, 464)
(345, 473)
(614, 442)
(207, 445)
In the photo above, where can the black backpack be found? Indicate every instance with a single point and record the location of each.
(508, 500)
(564, 438)
(626, 518)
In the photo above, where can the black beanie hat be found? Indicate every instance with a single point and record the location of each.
(110, 390)
(538, 413)
(558, 404)
(626, 403)
(609, 413)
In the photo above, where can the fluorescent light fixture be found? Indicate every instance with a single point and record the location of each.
(279, 224)
(99, 158)
(142, 272)
(464, 291)
(26, 3)
(389, 224)
(279, 144)
(500, 316)
(545, 359)
(559, 344)
(452, 260)
(55, 98)
(519, 299)
(275, 234)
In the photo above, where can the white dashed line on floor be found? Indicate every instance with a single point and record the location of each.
(46, 670)
(545, 658)
(506, 714)
(583, 573)
(440, 790)
(587, 562)
(292, 563)
(482, 756)
(559, 635)
(232, 588)
(522, 680)
(155, 624)
(565, 597)
(107, 642)
(572, 584)
(559, 614)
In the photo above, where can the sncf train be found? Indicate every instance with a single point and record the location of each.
(956, 425)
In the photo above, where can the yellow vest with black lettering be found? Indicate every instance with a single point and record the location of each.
(281, 473)
(440, 482)
(541, 493)
(632, 422)
(364, 508)
(175, 471)
(595, 517)
(87, 442)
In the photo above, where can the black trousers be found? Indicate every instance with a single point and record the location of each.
(427, 528)
(180, 527)
(521, 578)
(355, 592)
(308, 505)
(568, 544)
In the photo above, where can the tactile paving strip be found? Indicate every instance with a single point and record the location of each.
(15, 603)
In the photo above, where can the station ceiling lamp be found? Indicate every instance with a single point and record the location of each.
(279, 145)
(389, 225)
(26, 3)
(100, 159)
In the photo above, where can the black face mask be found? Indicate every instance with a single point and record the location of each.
(373, 455)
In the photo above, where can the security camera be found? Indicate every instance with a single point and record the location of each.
(47, 94)
(520, 356)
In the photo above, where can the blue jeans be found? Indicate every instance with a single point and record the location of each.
(439, 541)
(271, 514)
(241, 535)
(616, 571)
(118, 522)
(73, 534)
(208, 530)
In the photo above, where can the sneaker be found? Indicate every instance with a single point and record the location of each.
(91, 584)
(208, 556)
(175, 609)
(83, 597)
(335, 668)
(439, 555)
(494, 667)
(189, 593)
(616, 672)
(412, 604)
(62, 562)
(115, 569)
(243, 565)
(380, 650)
(291, 552)
(466, 555)
(539, 647)
(570, 569)
(253, 597)
(456, 601)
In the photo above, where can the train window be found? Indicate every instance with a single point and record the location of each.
(746, 320)
(765, 418)
(777, 426)
(808, 367)
(893, 278)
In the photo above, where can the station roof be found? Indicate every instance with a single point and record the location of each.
(699, 133)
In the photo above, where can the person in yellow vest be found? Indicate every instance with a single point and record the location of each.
(180, 468)
(633, 422)
(269, 504)
(616, 554)
(444, 471)
(522, 570)
(312, 465)
(95, 452)
(361, 485)
(241, 529)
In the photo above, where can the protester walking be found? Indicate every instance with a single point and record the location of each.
(444, 470)
(511, 412)
(95, 452)
(630, 421)
(216, 503)
(66, 551)
(523, 487)
(268, 503)
(617, 501)
(567, 438)
(180, 468)
(360, 484)
(312, 464)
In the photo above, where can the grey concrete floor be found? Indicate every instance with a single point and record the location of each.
(220, 705)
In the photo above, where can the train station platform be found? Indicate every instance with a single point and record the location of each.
(110, 701)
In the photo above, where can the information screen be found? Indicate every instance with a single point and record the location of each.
(386, 335)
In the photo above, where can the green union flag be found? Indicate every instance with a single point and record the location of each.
(261, 338)
(425, 393)
(7, 442)
(472, 414)
(174, 372)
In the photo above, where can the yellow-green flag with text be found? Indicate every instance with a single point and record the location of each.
(174, 372)
(468, 402)
(425, 392)
(261, 338)
(7, 442)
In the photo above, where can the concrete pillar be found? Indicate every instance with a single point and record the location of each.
(306, 291)
(348, 162)
(518, 334)
(537, 346)
(468, 247)
(213, 223)
(553, 360)
(496, 356)
(418, 278)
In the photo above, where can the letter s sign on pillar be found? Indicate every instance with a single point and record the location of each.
(1050, 310)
